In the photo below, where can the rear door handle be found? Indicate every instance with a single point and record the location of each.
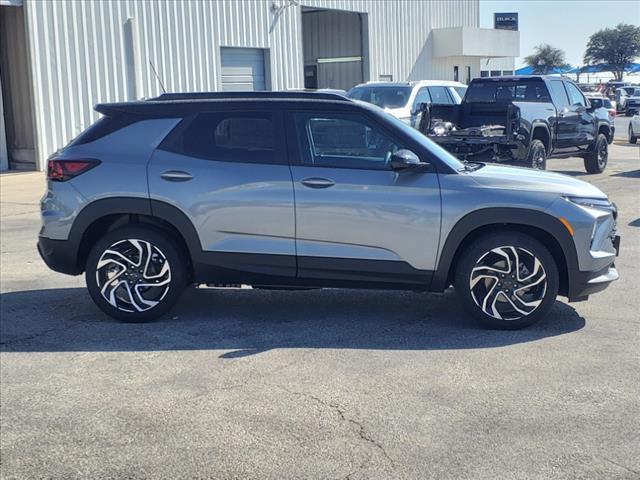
(176, 176)
(315, 182)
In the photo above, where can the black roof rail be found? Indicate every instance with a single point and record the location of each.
(180, 103)
(311, 95)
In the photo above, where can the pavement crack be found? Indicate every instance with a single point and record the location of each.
(361, 430)
(636, 472)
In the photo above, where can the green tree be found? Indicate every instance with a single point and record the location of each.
(616, 47)
(545, 59)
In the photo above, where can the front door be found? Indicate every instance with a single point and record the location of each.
(357, 219)
(228, 173)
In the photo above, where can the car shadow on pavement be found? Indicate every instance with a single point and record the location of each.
(629, 174)
(246, 322)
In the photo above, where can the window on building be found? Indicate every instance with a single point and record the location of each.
(468, 77)
(495, 73)
(507, 72)
(343, 141)
(456, 74)
(385, 77)
(233, 136)
(484, 73)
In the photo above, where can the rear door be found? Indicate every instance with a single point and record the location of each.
(585, 121)
(566, 126)
(228, 172)
(356, 219)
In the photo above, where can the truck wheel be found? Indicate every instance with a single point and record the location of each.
(537, 156)
(632, 137)
(507, 280)
(596, 160)
(136, 274)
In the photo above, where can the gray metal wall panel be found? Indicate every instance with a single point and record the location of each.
(78, 49)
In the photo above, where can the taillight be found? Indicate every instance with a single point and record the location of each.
(63, 170)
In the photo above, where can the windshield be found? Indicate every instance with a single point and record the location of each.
(387, 96)
(507, 91)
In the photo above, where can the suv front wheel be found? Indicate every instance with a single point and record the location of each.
(135, 274)
(507, 281)
(596, 160)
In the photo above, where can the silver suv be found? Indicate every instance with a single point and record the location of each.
(300, 190)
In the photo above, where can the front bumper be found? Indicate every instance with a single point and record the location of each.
(583, 284)
(58, 255)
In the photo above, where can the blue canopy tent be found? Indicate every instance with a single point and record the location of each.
(531, 71)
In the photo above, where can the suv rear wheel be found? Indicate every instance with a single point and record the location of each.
(135, 274)
(537, 157)
(507, 281)
(596, 160)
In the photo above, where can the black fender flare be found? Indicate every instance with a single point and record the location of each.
(127, 206)
(543, 125)
(501, 217)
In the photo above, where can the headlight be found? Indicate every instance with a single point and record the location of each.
(597, 203)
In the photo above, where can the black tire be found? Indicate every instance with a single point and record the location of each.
(632, 138)
(148, 300)
(536, 156)
(596, 160)
(504, 287)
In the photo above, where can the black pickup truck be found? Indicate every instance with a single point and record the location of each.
(521, 119)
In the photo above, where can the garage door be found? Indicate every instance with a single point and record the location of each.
(243, 69)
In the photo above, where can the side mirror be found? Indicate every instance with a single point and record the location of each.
(405, 159)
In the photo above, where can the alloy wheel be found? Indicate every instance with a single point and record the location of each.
(133, 275)
(508, 283)
(603, 154)
(538, 162)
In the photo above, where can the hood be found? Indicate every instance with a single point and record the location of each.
(400, 112)
(515, 178)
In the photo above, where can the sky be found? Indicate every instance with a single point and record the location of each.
(565, 24)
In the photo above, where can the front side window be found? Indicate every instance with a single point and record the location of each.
(440, 96)
(384, 96)
(575, 96)
(343, 141)
(558, 93)
(231, 136)
(421, 97)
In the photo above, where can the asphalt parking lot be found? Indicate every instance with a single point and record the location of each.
(317, 384)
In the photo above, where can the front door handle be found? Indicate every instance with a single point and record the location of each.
(176, 175)
(316, 182)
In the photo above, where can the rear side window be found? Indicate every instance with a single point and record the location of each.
(229, 137)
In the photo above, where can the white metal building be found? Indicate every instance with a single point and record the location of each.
(59, 58)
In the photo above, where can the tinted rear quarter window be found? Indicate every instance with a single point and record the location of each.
(103, 127)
